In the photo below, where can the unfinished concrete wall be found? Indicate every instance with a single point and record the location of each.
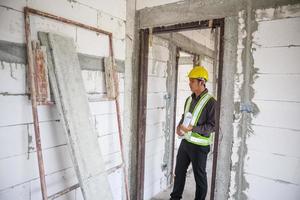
(18, 163)
(266, 155)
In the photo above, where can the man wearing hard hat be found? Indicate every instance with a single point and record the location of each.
(196, 128)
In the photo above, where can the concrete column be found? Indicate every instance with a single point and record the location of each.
(227, 108)
(170, 111)
(131, 91)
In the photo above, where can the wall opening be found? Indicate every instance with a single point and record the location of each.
(166, 53)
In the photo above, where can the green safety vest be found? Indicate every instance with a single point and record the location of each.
(194, 137)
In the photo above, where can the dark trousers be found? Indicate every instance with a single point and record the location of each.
(188, 153)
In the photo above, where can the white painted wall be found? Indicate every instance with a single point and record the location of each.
(18, 163)
(273, 156)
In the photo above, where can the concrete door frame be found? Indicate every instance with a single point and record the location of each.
(142, 92)
(141, 114)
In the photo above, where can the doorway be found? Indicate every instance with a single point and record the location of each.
(183, 51)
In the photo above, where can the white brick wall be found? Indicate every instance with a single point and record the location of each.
(18, 161)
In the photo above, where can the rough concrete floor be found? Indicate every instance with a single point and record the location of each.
(189, 189)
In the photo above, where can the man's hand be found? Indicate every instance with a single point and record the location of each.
(178, 131)
(186, 129)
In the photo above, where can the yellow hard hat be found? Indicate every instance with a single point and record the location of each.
(198, 72)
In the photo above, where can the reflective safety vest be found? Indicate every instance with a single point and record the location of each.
(194, 137)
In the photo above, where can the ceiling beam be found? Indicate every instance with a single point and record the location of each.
(187, 44)
(185, 61)
(193, 10)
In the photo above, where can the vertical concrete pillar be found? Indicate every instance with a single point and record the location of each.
(131, 95)
(227, 108)
(171, 83)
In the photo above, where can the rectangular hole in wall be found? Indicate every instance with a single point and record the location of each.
(168, 56)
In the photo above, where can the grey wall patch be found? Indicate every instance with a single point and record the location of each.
(247, 109)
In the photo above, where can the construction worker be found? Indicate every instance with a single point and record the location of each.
(197, 135)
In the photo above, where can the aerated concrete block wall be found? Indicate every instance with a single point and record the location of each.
(155, 180)
(268, 154)
(18, 161)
